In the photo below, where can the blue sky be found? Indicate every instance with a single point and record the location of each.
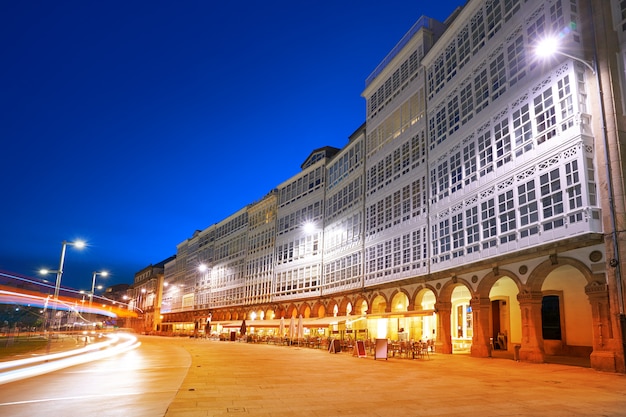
(131, 124)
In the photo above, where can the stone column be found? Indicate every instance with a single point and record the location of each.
(605, 344)
(443, 343)
(532, 341)
(481, 308)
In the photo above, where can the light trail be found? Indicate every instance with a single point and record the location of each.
(12, 297)
(38, 294)
(59, 355)
(75, 357)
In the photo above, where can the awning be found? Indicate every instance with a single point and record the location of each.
(401, 314)
(262, 324)
(232, 324)
(311, 322)
(320, 322)
(222, 323)
(258, 324)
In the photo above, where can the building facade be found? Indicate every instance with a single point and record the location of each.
(145, 298)
(259, 275)
(480, 206)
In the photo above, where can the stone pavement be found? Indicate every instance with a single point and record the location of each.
(241, 379)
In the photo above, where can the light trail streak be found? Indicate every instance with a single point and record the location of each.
(105, 350)
(12, 297)
(59, 355)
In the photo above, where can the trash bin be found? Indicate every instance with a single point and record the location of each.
(516, 352)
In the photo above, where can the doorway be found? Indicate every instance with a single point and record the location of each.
(500, 325)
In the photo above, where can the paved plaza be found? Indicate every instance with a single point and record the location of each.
(239, 379)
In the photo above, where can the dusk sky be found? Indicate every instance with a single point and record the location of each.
(131, 124)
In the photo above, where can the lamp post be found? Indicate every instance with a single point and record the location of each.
(93, 286)
(547, 47)
(79, 244)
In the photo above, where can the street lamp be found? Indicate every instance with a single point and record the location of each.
(547, 47)
(93, 286)
(308, 227)
(78, 244)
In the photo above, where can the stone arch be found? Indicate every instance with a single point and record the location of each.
(539, 274)
(331, 306)
(445, 295)
(534, 347)
(419, 294)
(487, 282)
(486, 315)
(269, 313)
(428, 322)
(361, 305)
(280, 311)
(399, 301)
(413, 297)
(318, 309)
(292, 311)
(443, 308)
(504, 325)
(304, 310)
(343, 306)
(380, 304)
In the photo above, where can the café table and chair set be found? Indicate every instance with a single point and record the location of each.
(411, 349)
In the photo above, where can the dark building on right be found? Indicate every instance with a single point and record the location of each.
(481, 205)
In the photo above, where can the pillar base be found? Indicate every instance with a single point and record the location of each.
(480, 351)
(443, 348)
(533, 355)
(603, 361)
